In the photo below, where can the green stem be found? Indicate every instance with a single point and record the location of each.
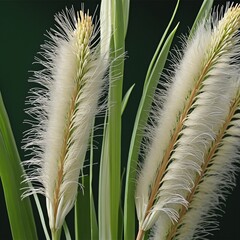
(115, 100)
(56, 234)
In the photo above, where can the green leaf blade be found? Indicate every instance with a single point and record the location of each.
(126, 6)
(203, 12)
(153, 61)
(126, 98)
(66, 231)
(19, 211)
(142, 115)
(93, 218)
(82, 211)
(115, 104)
(104, 189)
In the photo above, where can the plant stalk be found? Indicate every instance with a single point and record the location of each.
(56, 234)
(140, 234)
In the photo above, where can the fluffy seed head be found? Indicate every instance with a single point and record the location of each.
(196, 104)
(63, 109)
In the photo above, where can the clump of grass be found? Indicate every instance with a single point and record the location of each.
(191, 153)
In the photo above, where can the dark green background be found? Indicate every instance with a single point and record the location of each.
(22, 25)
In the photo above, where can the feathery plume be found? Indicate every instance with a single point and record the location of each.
(217, 177)
(63, 110)
(196, 105)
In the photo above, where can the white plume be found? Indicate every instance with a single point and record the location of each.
(62, 110)
(196, 105)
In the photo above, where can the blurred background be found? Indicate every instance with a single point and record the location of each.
(23, 25)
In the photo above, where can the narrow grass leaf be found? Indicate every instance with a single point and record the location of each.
(141, 119)
(41, 216)
(82, 211)
(161, 42)
(120, 223)
(104, 188)
(126, 98)
(204, 11)
(66, 231)
(115, 101)
(19, 211)
(126, 5)
(93, 218)
(105, 27)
